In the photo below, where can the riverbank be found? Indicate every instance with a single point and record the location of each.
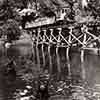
(24, 40)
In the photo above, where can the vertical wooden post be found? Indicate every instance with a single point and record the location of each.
(84, 28)
(33, 38)
(67, 53)
(33, 35)
(53, 35)
(69, 44)
(59, 38)
(38, 35)
(51, 32)
(69, 39)
(44, 37)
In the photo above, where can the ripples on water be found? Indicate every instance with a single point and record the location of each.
(55, 61)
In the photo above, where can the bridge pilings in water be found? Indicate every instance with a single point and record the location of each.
(54, 60)
(81, 38)
(69, 37)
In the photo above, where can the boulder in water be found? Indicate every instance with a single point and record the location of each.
(7, 45)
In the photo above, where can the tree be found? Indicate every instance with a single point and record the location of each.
(94, 7)
(11, 30)
(10, 19)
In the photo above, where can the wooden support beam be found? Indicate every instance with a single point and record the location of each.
(61, 36)
(95, 37)
(75, 38)
(46, 35)
(33, 37)
(53, 35)
(67, 53)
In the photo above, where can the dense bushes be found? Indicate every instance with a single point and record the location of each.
(11, 30)
(10, 20)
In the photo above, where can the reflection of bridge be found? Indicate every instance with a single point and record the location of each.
(83, 36)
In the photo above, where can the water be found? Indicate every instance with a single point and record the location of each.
(54, 60)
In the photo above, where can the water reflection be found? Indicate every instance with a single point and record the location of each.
(58, 64)
(38, 58)
(80, 68)
(43, 55)
(9, 83)
(57, 61)
(83, 67)
(50, 59)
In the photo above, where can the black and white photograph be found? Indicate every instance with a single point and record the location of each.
(49, 49)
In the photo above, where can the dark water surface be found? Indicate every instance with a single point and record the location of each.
(56, 61)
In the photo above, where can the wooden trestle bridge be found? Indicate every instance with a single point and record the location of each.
(84, 36)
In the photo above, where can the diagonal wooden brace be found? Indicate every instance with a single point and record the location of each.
(60, 35)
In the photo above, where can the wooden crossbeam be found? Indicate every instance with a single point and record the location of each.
(73, 40)
(76, 38)
(45, 34)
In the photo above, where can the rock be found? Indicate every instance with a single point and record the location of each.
(42, 87)
(28, 87)
(25, 98)
(23, 93)
(7, 45)
(28, 98)
(80, 97)
(59, 90)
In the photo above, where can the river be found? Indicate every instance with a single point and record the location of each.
(52, 60)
